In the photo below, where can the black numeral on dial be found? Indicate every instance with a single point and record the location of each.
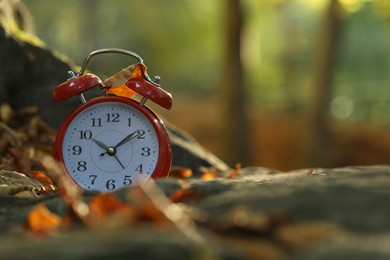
(145, 151)
(110, 184)
(82, 166)
(85, 134)
(96, 122)
(76, 150)
(139, 169)
(113, 117)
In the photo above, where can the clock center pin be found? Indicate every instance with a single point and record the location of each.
(111, 151)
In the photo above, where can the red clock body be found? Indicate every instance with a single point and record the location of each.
(111, 142)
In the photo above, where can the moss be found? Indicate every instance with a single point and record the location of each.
(12, 30)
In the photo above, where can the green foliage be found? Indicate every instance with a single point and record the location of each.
(364, 65)
(177, 39)
(182, 42)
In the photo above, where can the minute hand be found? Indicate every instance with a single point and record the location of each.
(129, 137)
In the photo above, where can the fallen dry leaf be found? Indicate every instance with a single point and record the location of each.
(22, 158)
(42, 178)
(180, 172)
(312, 172)
(47, 184)
(183, 195)
(41, 221)
(23, 134)
(235, 172)
(14, 138)
(115, 85)
(71, 194)
(121, 77)
(155, 205)
(105, 205)
(309, 172)
(6, 112)
(214, 173)
(121, 91)
(209, 176)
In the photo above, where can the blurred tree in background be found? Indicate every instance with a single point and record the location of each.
(327, 53)
(280, 48)
(232, 88)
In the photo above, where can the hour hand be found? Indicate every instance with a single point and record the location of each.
(101, 144)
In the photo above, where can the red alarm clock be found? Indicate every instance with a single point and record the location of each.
(113, 140)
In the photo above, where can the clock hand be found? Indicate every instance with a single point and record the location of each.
(101, 144)
(112, 150)
(123, 141)
(129, 137)
(119, 161)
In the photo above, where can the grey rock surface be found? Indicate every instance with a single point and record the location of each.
(347, 208)
(188, 153)
(29, 73)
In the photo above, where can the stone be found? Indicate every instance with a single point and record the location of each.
(29, 72)
(187, 152)
(14, 183)
(303, 214)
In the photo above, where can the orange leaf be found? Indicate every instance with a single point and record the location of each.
(309, 172)
(138, 71)
(312, 172)
(116, 83)
(209, 176)
(210, 173)
(41, 220)
(103, 205)
(180, 172)
(42, 178)
(235, 172)
(122, 91)
(106, 203)
(183, 195)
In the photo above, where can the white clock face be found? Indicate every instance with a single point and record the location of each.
(109, 145)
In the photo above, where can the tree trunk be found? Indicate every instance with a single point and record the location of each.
(232, 89)
(320, 142)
